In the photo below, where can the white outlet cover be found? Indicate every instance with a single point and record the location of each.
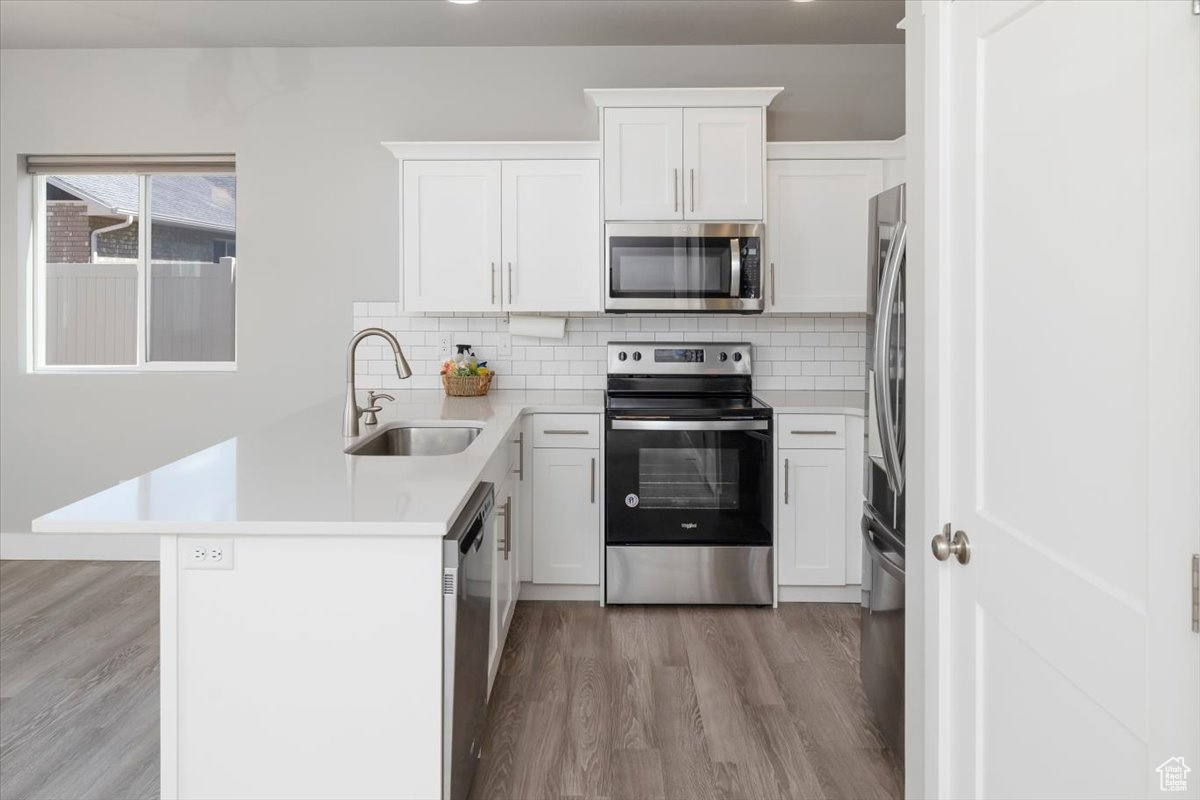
(195, 553)
(444, 346)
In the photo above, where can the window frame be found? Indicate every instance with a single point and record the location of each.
(38, 317)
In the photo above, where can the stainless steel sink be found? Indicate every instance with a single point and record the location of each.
(416, 440)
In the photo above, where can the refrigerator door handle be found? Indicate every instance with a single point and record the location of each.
(877, 555)
(888, 285)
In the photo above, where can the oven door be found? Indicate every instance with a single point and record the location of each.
(688, 482)
(679, 267)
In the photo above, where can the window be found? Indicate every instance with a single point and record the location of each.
(113, 292)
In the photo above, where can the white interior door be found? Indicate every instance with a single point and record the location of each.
(1074, 195)
(723, 163)
(551, 235)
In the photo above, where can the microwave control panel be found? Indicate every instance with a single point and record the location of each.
(751, 260)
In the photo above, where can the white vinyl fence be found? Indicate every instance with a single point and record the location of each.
(91, 312)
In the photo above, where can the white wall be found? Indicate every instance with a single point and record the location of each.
(317, 211)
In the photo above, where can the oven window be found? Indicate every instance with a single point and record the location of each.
(669, 266)
(672, 477)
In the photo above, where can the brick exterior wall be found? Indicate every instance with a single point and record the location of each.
(69, 238)
(68, 232)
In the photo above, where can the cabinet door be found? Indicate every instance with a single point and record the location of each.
(812, 517)
(551, 235)
(451, 235)
(504, 567)
(723, 163)
(566, 516)
(643, 163)
(817, 234)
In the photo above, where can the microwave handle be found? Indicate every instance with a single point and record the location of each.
(735, 271)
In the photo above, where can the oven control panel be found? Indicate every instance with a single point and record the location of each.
(679, 358)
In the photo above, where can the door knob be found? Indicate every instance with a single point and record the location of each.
(945, 545)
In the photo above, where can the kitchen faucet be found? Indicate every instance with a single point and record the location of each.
(353, 410)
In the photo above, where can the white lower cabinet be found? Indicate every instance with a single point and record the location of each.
(506, 579)
(566, 515)
(812, 517)
(819, 498)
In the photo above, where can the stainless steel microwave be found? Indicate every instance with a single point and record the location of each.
(683, 266)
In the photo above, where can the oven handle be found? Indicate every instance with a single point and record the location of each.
(691, 425)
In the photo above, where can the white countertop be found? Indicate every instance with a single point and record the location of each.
(815, 402)
(292, 476)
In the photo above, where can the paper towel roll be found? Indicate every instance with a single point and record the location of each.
(544, 327)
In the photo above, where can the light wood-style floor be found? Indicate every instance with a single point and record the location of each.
(618, 703)
(682, 703)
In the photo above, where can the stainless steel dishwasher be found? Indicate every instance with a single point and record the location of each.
(466, 609)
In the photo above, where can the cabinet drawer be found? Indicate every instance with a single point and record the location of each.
(566, 430)
(812, 431)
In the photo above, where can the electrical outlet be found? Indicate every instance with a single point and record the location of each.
(504, 349)
(445, 349)
(207, 553)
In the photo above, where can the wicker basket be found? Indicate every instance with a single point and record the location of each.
(467, 385)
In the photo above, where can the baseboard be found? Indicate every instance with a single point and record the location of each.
(78, 547)
(559, 591)
(820, 594)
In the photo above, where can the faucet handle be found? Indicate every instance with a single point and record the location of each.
(369, 412)
(373, 396)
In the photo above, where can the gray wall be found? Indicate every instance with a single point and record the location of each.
(317, 211)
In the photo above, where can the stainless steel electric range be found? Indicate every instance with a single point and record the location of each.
(688, 476)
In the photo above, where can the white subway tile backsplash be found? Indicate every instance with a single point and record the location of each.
(792, 352)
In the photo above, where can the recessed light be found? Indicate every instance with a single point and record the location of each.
(464, 2)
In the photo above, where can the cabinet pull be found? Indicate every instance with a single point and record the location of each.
(785, 481)
(493, 283)
(772, 283)
(593, 480)
(502, 545)
(507, 526)
(565, 433)
(693, 188)
(675, 187)
(510, 283)
(814, 433)
(520, 443)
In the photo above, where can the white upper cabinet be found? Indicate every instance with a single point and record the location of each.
(643, 163)
(723, 163)
(451, 235)
(683, 163)
(817, 234)
(551, 235)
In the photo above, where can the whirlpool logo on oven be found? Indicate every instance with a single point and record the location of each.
(688, 526)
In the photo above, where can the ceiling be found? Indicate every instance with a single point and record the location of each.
(365, 23)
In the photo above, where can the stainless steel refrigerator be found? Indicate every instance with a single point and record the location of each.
(883, 462)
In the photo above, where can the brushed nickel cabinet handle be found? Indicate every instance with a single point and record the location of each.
(510, 283)
(593, 481)
(520, 443)
(507, 527)
(565, 433)
(785, 481)
(493, 283)
(693, 189)
(675, 187)
(772, 283)
(814, 433)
